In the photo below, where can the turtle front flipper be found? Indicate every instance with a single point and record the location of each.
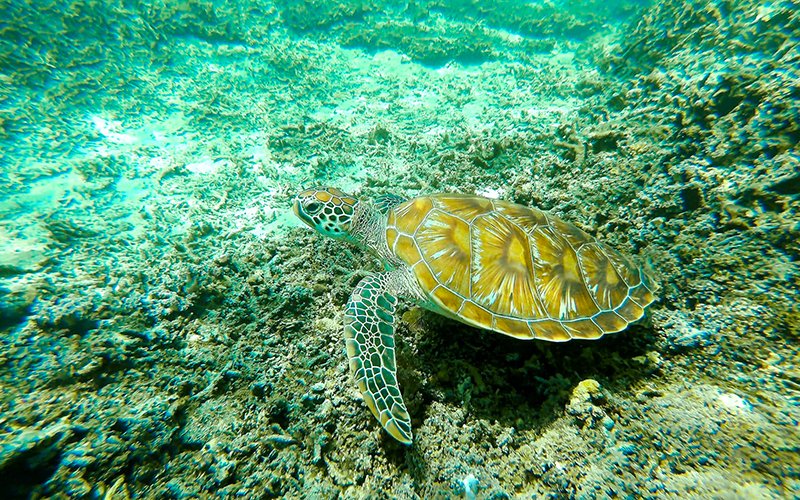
(369, 337)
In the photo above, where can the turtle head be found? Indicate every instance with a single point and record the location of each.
(327, 210)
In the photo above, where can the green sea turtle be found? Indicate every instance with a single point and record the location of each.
(488, 263)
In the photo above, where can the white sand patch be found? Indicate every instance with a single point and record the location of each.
(108, 129)
(489, 192)
(266, 215)
(476, 116)
(435, 131)
(24, 252)
(420, 98)
(207, 166)
(734, 402)
(158, 162)
(548, 111)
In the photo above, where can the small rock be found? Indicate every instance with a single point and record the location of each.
(470, 484)
(118, 490)
(32, 447)
(587, 391)
(280, 440)
(327, 325)
(260, 389)
(77, 458)
(691, 337)
(76, 487)
(585, 402)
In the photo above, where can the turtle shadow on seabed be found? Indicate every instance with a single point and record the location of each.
(522, 384)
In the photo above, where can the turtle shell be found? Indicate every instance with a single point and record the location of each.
(515, 270)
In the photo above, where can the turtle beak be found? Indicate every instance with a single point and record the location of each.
(300, 214)
(296, 207)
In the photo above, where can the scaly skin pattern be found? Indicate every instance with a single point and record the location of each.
(370, 312)
(487, 263)
(369, 337)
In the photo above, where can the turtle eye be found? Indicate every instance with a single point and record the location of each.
(313, 207)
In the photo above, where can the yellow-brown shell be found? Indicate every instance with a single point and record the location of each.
(516, 270)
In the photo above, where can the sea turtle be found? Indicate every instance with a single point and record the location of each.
(488, 263)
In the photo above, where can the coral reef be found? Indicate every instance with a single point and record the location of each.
(167, 331)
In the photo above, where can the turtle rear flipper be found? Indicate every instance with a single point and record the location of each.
(369, 338)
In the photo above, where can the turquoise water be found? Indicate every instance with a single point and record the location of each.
(170, 329)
